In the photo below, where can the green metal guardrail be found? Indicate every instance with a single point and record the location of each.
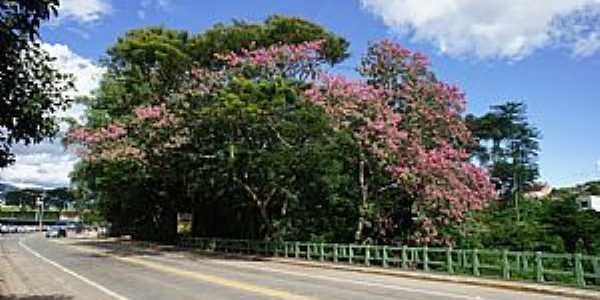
(566, 269)
(28, 215)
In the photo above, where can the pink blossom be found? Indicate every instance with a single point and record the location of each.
(94, 136)
(149, 112)
(289, 60)
(159, 115)
(413, 122)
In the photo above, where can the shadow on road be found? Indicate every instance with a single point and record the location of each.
(36, 297)
(134, 248)
(118, 248)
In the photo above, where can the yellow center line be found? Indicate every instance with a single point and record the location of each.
(235, 284)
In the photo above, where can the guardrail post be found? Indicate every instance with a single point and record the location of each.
(367, 256)
(505, 265)
(414, 257)
(350, 253)
(309, 245)
(449, 262)
(335, 253)
(539, 267)
(476, 263)
(322, 252)
(579, 270)
(596, 266)
(425, 259)
(404, 257)
(286, 250)
(384, 258)
(297, 250)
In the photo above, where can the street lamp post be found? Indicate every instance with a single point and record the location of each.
(40, 202)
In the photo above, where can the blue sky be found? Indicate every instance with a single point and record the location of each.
(547, 55)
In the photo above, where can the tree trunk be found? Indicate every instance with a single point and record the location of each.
(198, 229)
(264, 215)
(364, 189)
(166, 225)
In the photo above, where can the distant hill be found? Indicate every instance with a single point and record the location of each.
(4, 188)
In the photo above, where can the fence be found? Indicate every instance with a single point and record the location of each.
(566, 269)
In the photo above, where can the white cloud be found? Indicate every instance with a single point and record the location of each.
(156, 5)
(164, 4)
(35, 168)
(587, 46)
(48, 164)
(509, 29)
(80, 32)
(83, 10)
(87, 74)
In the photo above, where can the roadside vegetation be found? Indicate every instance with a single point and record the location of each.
(248, 128)
(261, 142)
(31, 89)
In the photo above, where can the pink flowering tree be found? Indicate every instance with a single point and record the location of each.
(434, 164)
(301, 60)
(241, 126)
(135, 158)
(413, 123)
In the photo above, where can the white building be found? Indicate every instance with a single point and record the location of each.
(539, 191)
(589, 202)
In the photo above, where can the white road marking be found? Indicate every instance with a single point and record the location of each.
(94, 284)
(372, 284)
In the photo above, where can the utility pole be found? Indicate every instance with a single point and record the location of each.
(40, 202)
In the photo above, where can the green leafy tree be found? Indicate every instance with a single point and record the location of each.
(25, 198)
(31, 90)
(255, 149)
(152, 68)
(59, 198)
(578, 229)
(509, 146)
(277, 29)
(144, 67)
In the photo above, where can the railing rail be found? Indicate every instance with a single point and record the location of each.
(565, 269)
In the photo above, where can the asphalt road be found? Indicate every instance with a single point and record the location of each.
(33, 268)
